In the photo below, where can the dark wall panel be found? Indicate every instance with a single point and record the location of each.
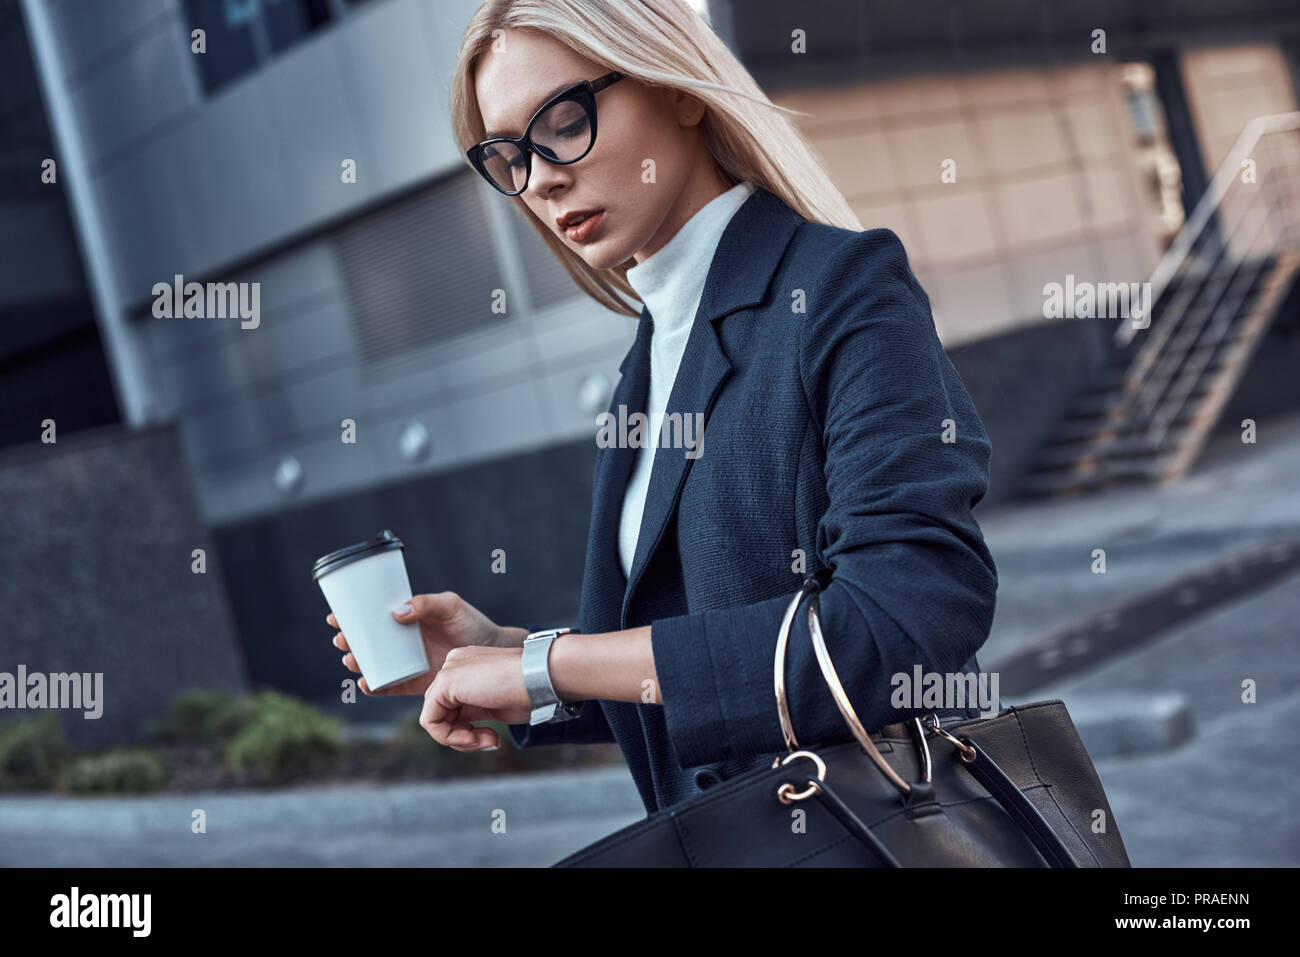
(65, 379)
(96, 536)
(1021, 382)
(536, 506)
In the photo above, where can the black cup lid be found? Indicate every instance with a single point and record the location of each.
(383, 542)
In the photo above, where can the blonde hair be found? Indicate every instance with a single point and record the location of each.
(662, 43)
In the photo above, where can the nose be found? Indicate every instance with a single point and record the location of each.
(544, 176)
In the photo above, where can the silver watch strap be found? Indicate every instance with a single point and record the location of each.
(547, 706)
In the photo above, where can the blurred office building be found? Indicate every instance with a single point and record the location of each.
(1010, 143)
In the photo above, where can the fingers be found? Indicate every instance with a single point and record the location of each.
(484, 738)
(341, 644)
(452, 732)
(349, 661)
(438, 606)
(446, 726)
(449, 725)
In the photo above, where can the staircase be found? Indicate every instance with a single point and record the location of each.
(1149, 411)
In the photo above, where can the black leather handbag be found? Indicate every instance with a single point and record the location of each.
(1014, 790)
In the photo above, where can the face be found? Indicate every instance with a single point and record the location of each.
(634, 124)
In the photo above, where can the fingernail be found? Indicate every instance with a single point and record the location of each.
(490, 748)
(404, 610)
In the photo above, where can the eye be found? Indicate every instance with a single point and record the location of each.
(573, 129)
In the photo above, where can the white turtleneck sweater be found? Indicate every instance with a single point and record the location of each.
(671, 283)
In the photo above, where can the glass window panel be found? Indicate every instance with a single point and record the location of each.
(288, 21)
(230, 50)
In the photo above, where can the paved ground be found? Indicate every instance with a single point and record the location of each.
(1225, 797)
(1237, 495)
(1228, 796)
(545, 817)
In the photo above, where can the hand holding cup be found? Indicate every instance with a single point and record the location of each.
(445, 621)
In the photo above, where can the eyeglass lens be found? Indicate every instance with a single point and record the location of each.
(561, 134)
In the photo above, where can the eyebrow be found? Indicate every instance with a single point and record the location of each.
(563, 86)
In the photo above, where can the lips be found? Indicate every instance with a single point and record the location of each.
(573, 217)
(579, 226)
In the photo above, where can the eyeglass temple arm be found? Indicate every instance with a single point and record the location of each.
(604, 81)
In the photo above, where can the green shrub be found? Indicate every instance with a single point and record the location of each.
(282, 739)
(411, 741)
(201, 717)
(31, 752)
(122, 771)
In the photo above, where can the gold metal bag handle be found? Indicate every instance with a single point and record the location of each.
(778, 677)
(810, 588)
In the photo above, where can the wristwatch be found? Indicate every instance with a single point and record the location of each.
(547, 706)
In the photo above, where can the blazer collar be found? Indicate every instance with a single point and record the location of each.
(748, 253)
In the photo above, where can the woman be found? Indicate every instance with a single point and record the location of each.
(840, 441)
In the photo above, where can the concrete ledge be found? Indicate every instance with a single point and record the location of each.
(1084, 643)
(448, 806)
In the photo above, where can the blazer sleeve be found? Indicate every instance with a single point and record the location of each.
(589, 727)
(911, 580)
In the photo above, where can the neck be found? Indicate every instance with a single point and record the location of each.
(705, 185)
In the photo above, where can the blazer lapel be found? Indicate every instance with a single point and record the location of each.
(699, 378)
(747, 255)
(603, 581)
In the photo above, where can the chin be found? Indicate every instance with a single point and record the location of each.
(601, 259)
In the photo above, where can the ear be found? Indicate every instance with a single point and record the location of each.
(689, 108)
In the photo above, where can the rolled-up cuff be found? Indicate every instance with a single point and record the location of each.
(692, 706)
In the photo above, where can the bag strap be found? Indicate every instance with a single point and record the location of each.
(1018, 807)
(853, 824)
(1003, 790)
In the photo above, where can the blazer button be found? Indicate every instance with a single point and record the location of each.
(706, 778)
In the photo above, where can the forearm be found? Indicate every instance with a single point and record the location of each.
(615, 666)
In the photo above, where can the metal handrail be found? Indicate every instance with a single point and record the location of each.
(1144, 386)
(1217, 325)
(1209, 203)
(1147, 396)
(1144, 391)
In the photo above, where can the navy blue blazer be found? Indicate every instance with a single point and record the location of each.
(826, 393)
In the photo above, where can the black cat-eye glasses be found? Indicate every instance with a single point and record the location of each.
(563, 130)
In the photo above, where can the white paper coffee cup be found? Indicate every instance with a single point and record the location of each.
(364, 584)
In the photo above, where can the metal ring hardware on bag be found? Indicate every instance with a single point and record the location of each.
(786, 792)
(1000, 787)
(846, 708)
(782, 710)
(927, 770)
(810, 588)
(966, 752)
